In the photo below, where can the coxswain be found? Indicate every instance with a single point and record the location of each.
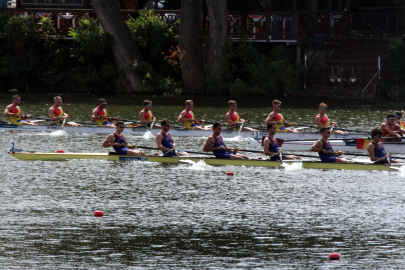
(399, 115)
(216, 144)
(145, 116)
(277, 117)
(57, 115)
(390, 129)
(325, 150)
(376, 149)
(322, 120)
(165, 142)
(119, 143)
(100, 115)
(271, 146)
(13, 112)
(233, 120)
(187, 118)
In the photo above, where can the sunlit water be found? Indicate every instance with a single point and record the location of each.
(192, 215)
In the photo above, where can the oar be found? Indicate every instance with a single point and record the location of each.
(365, 155)
(152, 125)
(352, 130)
(191, 152)
(305, 125)
(126, 120)
(48, 119)
(63, 123)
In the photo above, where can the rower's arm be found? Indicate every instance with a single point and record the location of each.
(159, 144)
(318, 122)
(266, 144)
(270, 118)
(109, 141)
(384, 127)
(370, 150)
(8, 113)
(95, 117)
(182, 118)
(317, 147)
(286, 124)
(130, 146)
(209, 145)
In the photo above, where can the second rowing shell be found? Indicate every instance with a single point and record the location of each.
(349, 146)
(174, 132)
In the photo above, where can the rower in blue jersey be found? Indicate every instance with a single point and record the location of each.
(216, 144)
(325, 150)
(119, 143)
(271, 146)
(165, 142)
(376, 149)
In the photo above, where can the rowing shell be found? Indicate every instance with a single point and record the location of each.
(209, 161)
(348, 146)
(174, 132)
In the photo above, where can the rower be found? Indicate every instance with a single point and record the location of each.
(399, 115)
(376, 149)
(271, 146)
(165, 142)
(277, 117)
(13, 112)
(119, 143)
(390, 129)
(100, 115)
(145, 116)
(322, 120)
(325, 150)
(233, 120)
(187, 118)
(216, 144)
(57, 115)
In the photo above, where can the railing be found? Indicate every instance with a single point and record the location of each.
(343, 74)
(377, 25)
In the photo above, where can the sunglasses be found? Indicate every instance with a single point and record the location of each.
(328, 132)
(103, 103)
(278, 106)
(59, 102)
(234, 105)
(322, 109)
(17, 99)
(379, 136)
(167, 125)
(149, 106)
(392, 119)
(121, 127)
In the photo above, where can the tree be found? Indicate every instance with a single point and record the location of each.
(124, 47)
(191, 41)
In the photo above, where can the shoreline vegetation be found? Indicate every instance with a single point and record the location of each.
(86, 63)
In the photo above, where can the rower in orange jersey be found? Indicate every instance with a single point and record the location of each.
(233, 120)
(57, 115)
(13, 112)
(322, 120)
(399, 115)
(277, 117)
(145, 116)
(100, 115)
(390, 129)
(187, 118)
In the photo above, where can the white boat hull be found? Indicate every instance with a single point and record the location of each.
(349, 146)
(173, 132)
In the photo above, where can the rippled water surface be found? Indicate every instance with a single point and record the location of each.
(193, 216)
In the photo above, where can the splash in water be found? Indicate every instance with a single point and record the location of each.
(148, 135)
(291, 167)
(58, 133)
(236, 139)
(197, 166)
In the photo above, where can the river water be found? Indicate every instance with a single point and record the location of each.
(193, 216)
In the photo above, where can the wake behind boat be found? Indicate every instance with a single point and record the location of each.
(209, 161)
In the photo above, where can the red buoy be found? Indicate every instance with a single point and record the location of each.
(334, 256)
(98, 213)
(60, 151)
(156, 154)
(229, 173)
(259, 158)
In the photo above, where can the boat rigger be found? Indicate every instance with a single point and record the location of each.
(209, 161)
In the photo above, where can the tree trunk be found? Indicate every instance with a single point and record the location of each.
(191, 41)
(124, 47)
(218, 28)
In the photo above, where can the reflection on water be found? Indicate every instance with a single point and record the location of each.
(194, 216)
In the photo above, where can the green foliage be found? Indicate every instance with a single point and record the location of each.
(393, 84)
